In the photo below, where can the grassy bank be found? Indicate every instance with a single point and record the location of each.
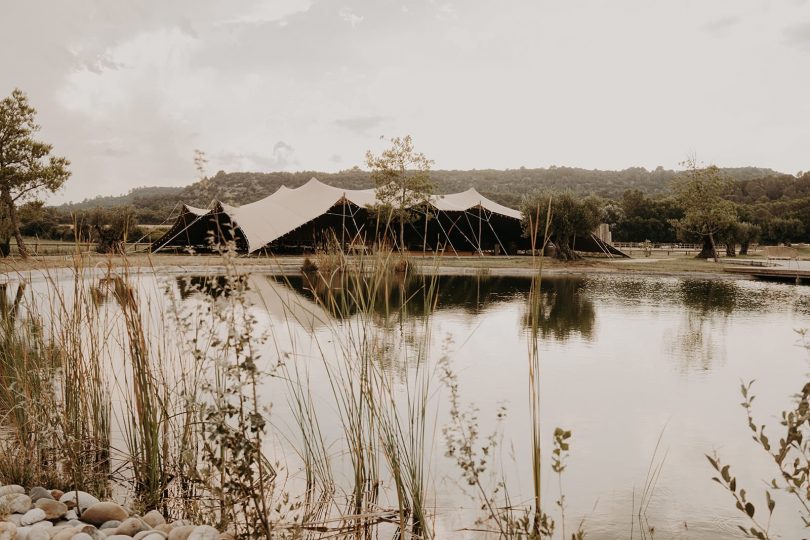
(658, 263)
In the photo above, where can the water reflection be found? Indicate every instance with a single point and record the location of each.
(9, 310)
(110, 288)
(566, 305)
(651, 357)
(414, 295)
(213, 286)
(707, 296)
(698, 340)
(565, 309)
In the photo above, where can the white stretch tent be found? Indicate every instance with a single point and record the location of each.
(266, 220)
(188, 215)
(467, 200)
(288, 209)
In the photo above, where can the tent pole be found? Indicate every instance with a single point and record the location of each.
(424, 238)
(495, 234)
(181, 232)
(446, 235)
(480, 247)
(472, 232)
(343, 226)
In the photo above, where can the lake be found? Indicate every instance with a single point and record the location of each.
(644, 371)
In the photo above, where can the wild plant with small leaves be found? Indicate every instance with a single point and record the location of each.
(475, 455)
(234, 469)
(790, 454)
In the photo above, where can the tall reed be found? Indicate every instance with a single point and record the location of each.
(384, 424)
(55, 393)
(535, 318)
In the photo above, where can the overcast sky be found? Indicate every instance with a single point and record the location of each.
(127, 90)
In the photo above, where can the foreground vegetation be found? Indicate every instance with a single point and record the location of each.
(180, 394)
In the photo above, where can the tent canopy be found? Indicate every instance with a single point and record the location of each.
(266, 220)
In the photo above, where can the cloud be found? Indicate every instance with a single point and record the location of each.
(718, 26)
(798, 36)
(270, 11)
(127, 90)
(281, 157)
(350, 17)
(361, 125)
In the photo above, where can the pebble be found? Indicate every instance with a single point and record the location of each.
(71, 515)
(112, 524)
(85, 499)
(33, 516)
(82, 536)
(65, 534)
(153, 518)
(15, 503)
(8, 531)
(104, 511)
(132, 526)
(11, 488)
(151, 535)
(53, 509)
(204, 532)
(32, 533)
(182, 532)
(38, 493)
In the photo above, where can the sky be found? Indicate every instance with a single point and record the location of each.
(128, 90)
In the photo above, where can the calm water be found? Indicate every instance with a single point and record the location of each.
(625, 361)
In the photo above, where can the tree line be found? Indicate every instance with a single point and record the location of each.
(704, 206)
(728, 207)
(154, 204)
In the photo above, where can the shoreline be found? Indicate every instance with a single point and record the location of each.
(12, 269)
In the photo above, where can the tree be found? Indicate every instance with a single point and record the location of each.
(570, 217)
(26, 166)
(784, 231)
(643, 218)
(109, 228)
(747, 233)
(700, 193)
(402, 182)
(38, 220)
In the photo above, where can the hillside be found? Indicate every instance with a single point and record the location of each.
(142, 196)
(153, 205)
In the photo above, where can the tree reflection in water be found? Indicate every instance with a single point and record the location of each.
(212, 285)
(565, 309)
(411, 296)
(708, 304)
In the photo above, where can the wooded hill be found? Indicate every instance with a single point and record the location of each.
(154, 204)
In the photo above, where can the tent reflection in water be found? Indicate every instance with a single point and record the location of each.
(306, 218)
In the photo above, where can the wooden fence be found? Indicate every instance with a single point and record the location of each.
(54, 247)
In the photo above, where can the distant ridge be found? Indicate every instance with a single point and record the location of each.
(504, 186)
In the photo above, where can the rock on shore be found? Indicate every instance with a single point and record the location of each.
(43, 514)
